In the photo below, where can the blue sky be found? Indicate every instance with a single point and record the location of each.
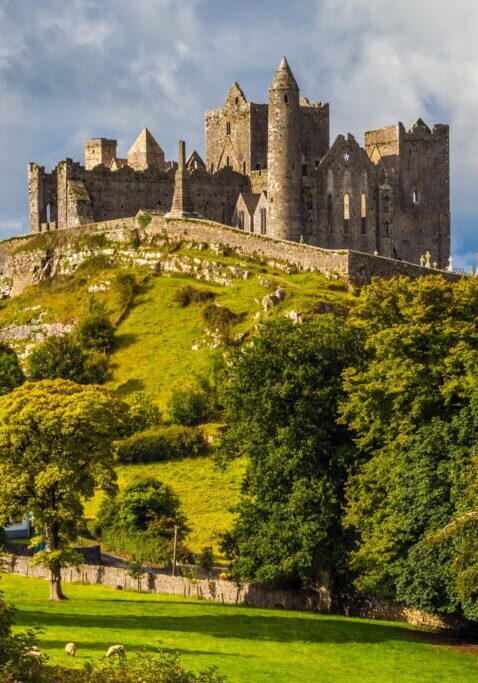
(72, 69)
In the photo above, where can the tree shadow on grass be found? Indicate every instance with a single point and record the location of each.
(287, 629)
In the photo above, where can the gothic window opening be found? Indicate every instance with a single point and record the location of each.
(415, 196)
(244, 167)
(227, 161)
(310, 201)
(228, 128)
(286, 99)
(263, 215)
(236, 100)
(387, 228)
(346, 214)
(212, 168)
(241, 220)
(330, 214)
(363, 213)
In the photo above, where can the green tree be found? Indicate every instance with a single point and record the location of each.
(411, 407)
(11, 374)
(140, 521)
(280, 399)
(189, 406)
(55, 450)
(63, 358)
(96, 332)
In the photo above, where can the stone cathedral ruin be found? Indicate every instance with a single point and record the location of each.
(269, 169)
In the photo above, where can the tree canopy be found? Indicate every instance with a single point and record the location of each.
(412, 406)
(280, 398)
(55, 450)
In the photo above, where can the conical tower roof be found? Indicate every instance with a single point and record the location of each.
(284, 78)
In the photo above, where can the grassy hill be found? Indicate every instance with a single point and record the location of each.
(162, 343)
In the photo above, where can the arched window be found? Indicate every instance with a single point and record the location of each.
(346, 214)
(228, 128)
(241, 220)
(330, 214)
(212, 168)
(386, 226)
(415, 196)
(363, 213)
(286, 99)
(227, 161)
(244, 167)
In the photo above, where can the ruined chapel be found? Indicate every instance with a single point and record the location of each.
(270, 169)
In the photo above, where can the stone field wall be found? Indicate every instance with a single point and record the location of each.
(228, 592)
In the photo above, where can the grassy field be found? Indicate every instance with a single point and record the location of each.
(247, 644)
(206, 493)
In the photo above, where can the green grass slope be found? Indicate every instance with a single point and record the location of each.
(161, 344)
(246, 644)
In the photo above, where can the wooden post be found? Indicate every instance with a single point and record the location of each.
(174, 548)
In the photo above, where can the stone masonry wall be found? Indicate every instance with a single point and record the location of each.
(227, 592)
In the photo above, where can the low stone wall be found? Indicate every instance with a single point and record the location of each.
(217, 591)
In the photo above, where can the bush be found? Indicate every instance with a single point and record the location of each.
(63, 358)
(144, 667)
(164, 443)
(144, 220)
(14, 663)
(96, 332)
(139, 522)
(189, 406)
(187, 295)
(125, 287)
(219, 318)
(144, 413)
(11, 374)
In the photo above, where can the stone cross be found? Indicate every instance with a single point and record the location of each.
(435, 265)
(422, 260)
(450, 265)
(427, 259)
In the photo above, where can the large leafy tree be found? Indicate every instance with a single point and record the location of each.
(411, 406)
(55, 450)
(280, 397)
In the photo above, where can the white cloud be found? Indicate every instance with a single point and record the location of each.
(69, 70)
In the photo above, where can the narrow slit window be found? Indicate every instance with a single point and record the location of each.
(363, 214)
(415, 196)
(330, 215)
(286, 98)
(228, 128)
(346, 214)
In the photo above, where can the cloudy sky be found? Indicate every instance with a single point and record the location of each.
(72, 69)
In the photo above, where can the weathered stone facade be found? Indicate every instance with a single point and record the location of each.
(270, 169)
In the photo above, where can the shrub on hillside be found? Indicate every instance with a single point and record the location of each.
(219, 318)
(96, 332)
(163, 443)
(187, 295)
(140, 522)
(125, 286)
(11, 374)
(63, 358)
(144, 414)
(189, 406)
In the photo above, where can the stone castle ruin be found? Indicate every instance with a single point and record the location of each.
(269, 169)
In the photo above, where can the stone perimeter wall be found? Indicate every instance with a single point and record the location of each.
(228, 592)
(23, 264)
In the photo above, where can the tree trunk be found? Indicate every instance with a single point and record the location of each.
(55, 584)
(52, 543)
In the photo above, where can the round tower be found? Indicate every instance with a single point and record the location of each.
(284, 178)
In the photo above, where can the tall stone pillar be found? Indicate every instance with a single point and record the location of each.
(182, 205)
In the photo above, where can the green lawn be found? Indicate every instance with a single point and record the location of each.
(247, 644)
